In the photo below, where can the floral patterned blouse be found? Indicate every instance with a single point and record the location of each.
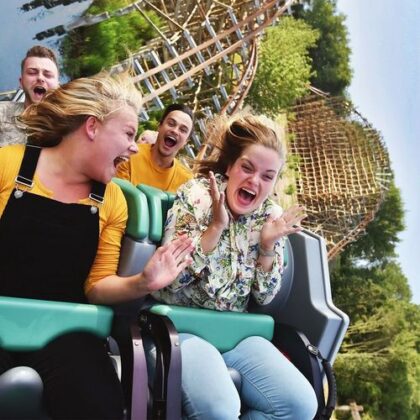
(224, 278)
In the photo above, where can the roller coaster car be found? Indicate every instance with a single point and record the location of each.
(302, 321)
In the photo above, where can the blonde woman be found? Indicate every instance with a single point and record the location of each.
(61, 223)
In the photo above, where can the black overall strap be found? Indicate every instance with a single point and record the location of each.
(28, 165)
(98, 192)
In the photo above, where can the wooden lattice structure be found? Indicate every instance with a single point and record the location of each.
(343, 171)
(204, 56)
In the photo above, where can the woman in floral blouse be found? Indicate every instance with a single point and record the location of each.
(239, 236)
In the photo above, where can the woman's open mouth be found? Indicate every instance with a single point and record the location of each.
(120, 159)
(246, 196)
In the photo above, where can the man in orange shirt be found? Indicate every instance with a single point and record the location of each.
(156, 164)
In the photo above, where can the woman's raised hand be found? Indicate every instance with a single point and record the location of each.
(287, 223)
(167, 262)
(220, 214)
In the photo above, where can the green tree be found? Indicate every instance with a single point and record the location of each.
(89, 49)
(284, 67)
(360, 291)
(331, 55)
(379, 362)
(378, 244)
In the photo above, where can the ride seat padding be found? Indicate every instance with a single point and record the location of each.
(30, 324)
(222, 329)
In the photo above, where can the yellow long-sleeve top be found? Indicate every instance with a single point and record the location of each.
(112, 213)
(141, 169)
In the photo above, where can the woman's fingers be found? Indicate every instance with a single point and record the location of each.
(180, 248)
(184, 263)
(221, 199)
(293, 215)
(214, 190)
(289, 221)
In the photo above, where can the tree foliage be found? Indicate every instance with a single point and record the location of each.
(331, 54)
(378, 244)
(284, 66)
(89, 49)
(379, 362)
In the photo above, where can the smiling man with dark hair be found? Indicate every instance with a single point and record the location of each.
(156, 164)
(39, 73)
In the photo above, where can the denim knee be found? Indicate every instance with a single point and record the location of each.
(272, 387)
(208, 391)
(302, 406)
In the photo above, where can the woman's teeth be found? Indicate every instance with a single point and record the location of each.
(120, 159)
(247, 194)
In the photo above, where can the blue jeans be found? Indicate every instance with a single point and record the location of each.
(272, 388)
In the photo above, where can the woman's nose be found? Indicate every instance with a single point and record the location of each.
(134, 148)
(254, 179)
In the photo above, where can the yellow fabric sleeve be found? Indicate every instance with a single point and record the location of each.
(113, 219)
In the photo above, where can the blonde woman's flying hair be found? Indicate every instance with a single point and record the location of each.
(67, 107)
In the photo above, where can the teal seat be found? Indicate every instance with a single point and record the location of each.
(30, 324)
(137, 246)
(138, 212)
(159, 203)
(222, 329)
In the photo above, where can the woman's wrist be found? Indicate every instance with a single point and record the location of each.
(266, 250)
(211, 237)
(216, 227)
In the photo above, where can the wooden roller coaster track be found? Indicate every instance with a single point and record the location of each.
(344, 168)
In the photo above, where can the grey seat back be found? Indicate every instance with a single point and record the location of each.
(136, 245)
(309, 307)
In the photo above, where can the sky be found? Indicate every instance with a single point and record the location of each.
(385, 44)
